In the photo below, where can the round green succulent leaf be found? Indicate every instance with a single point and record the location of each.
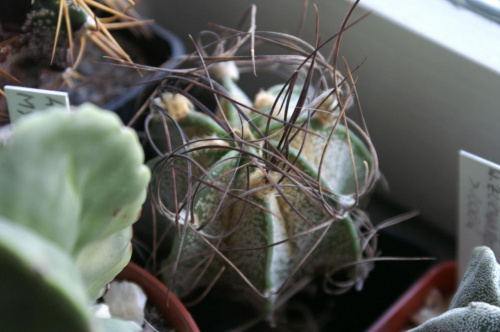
(40, 285)
(100, 261)
(73, 177)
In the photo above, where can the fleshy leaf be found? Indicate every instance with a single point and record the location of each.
(100, 261)
(81, 171)
(40, 285)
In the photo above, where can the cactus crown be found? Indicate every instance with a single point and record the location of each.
(263, 193)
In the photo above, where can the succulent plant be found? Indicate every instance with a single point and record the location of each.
(475, 305)
(265, 194)
(72, 185)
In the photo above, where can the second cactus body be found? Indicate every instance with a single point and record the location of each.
(475, 305)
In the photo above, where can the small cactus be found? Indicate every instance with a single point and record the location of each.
(475, 305)
(45, 35)
(72, 185)
(265, 194)
(58, 22)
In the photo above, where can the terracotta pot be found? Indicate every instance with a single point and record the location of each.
(442, 276)
(175, 312)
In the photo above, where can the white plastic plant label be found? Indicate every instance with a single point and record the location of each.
(22, 101)
(479, 207)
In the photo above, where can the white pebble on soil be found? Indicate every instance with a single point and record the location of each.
(126, 300)
(101, 310)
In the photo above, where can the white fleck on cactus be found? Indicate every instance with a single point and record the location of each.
(475, 306)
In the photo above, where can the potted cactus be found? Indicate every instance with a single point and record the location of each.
(47, 32)
(258, 196)
(472, 306)
(427, 297)
(72, 185)
(61, 44)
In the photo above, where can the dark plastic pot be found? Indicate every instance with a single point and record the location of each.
(354, 311)
(164, 50)
(441, 276)
(175, 312)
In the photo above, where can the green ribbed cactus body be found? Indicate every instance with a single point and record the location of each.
(481, 282)
(475, 305)
(74, 183)
(37, 34)
(45, 14)
(256, 237)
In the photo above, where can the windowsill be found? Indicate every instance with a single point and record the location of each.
(456, 28)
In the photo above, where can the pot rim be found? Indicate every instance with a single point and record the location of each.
(174, 310)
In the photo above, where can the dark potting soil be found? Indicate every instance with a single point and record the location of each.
(155, 320)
